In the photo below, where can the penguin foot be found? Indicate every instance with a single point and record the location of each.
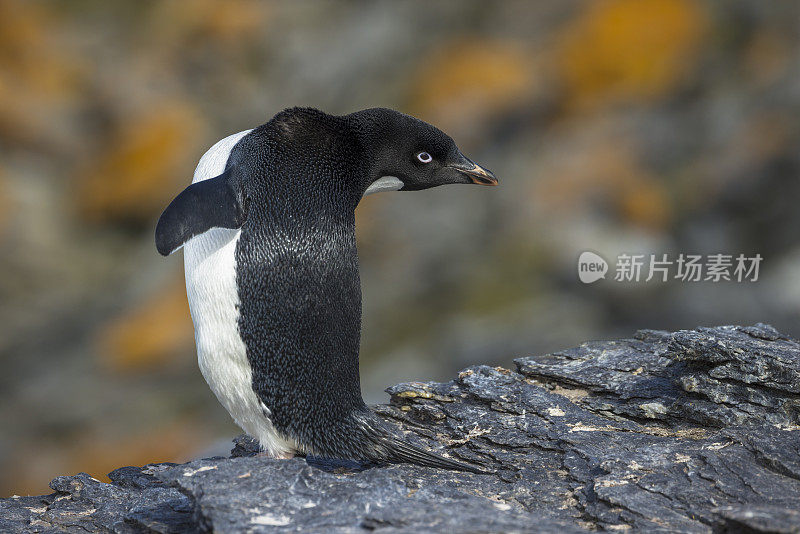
(335, 465)
(282, 456)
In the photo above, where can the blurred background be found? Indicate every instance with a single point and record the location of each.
(636, 126)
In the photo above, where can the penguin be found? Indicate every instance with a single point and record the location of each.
(272, 279)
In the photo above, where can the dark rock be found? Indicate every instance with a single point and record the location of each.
(692, 431)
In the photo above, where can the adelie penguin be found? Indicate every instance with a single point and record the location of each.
(268, 230)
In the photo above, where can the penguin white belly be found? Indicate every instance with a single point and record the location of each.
(210, 266)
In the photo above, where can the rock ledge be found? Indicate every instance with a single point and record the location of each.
(692, 431)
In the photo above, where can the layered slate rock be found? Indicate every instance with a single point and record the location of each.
(694, 431)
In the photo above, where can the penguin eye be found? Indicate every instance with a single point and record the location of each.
(424, 157)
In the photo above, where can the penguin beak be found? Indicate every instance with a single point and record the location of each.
(473, 171)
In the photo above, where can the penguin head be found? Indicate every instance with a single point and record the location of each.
(397, 152)
(407, 154)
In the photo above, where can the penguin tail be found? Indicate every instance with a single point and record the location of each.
(387, 447)
(400, 452)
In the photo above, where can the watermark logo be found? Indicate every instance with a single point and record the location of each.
(591, 267)
(662, 267)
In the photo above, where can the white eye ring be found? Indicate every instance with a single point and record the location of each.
(424, 157)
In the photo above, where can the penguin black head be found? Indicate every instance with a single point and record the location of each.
(408, 154)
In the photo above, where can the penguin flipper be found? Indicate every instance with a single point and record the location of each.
(203, 205)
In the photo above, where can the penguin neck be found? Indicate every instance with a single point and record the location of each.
(367, 133)
(316, 165)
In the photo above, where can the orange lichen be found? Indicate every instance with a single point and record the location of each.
(175, 441)
(645, 204)
(39, 77)
(609, 172)
(150, 335)
(630, 49)
(469, 76)
(145, 164)
(232, 20)
(99, 453)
